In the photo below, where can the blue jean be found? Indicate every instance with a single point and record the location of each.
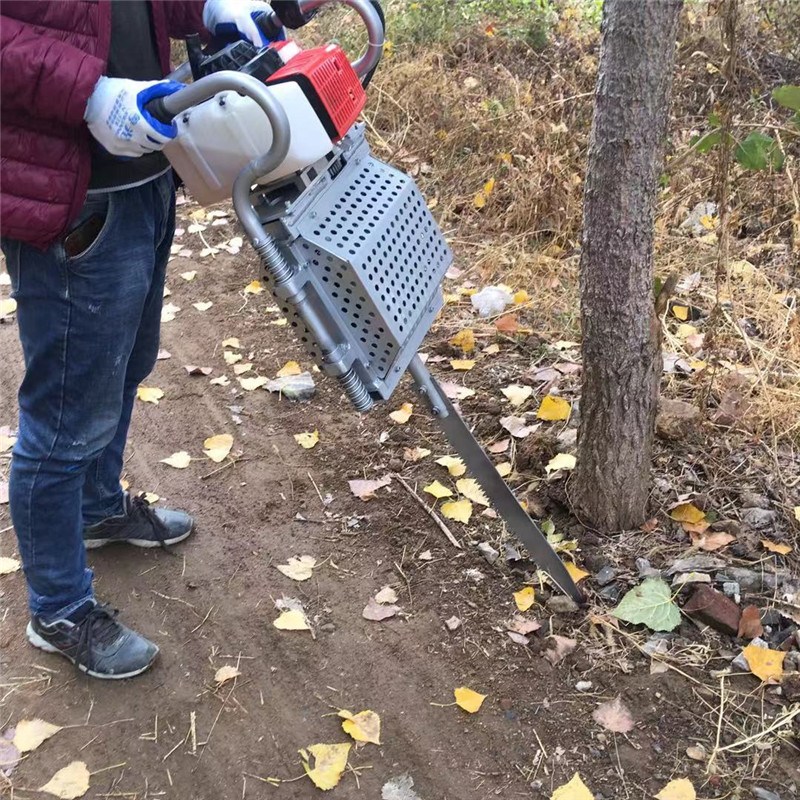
(89, 327)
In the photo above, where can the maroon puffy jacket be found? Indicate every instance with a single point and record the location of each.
(51, 56)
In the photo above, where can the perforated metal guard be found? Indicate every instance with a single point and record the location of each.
(375, 257)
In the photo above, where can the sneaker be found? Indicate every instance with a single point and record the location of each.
(140, 525)
(93, 640)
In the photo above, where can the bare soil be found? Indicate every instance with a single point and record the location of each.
(210, 602)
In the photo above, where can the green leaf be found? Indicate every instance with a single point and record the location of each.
(708, 141)
(788, 96)
(649, 604)
(759, 152)
(714, 120)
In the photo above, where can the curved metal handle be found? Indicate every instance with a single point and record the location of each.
(369, 60)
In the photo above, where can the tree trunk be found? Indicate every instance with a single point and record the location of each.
(621, 348)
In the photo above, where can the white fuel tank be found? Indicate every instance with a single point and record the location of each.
(216, 139)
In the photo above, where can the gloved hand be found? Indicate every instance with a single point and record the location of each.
(235, 18)
(117, 118)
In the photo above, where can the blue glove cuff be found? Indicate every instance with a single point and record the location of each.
(151, 93)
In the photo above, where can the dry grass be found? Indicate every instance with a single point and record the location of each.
(459, 112)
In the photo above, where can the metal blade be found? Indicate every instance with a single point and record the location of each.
(502, 498)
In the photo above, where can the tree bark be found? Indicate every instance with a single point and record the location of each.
(621, 349)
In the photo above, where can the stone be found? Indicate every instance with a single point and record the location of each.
(790, 686)
(753, 500)
(605, 575)
(328, 627)
(613, 592)
(453, 624)
(561, 604)
(758, 519)
(690, 577)
(567, 439)
(584, 686)
(488, 552)
(732, 589)
(645, 570)
(764, 794)
(676, 419)
(751, 580)
(294, 387)
(791, 661)
(714, 609)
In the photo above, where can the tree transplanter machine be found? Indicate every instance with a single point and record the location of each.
(348, 245)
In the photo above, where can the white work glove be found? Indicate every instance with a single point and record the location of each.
(235, 18)
(116, 116)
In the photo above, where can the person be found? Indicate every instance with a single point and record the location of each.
(87, 212)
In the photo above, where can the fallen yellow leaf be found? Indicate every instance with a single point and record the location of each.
(403, 414)
(680, 312)
(686, 512)
(504, 469)
(765, 663)
(517, 395)
(149, 394)
(525, 598)
(70, 782)
(189, 276)
(437, 490)
(8, 565)
(797, 513)
(363, 727)
(462, 364)
(554, 408)
(330, 761)
(7, 307)
(468, 699)
(298, 569)
(292, 620)
(254, 287)
(575, 789)
(415, 453)
(521, 296)
(232, 342)
(240, 369)
(179, 460)
(565, 461)
(250, 384)
(231, 358)
(575, 572)
(204, 306)
(679, 789)
(288, 369)
(30, 733)
(470, 488)
(455, 466)
(458, 510)
(225, 674)
(776, 547)
(307, 440)
(465, 340)
(6, 442)
(218, 447)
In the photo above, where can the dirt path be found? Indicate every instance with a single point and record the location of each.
(210, 602)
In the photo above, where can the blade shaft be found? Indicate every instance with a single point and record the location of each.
(498, 492)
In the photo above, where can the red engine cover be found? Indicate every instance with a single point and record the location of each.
(330, 84)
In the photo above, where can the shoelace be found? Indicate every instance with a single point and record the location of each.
(98, 626)
(141, 509)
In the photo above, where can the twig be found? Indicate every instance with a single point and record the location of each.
(431, 513)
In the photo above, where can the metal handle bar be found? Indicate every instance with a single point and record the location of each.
(375, 32)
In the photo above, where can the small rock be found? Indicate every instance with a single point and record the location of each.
(567, 439)
(732, 589)
(474, 575)
(295, 387)
(658, 644)
(506, 703)
(605, 575)
(488, 552)
(561, 604)
(453, 624)
(400, 787)
(764, 794)
(771, 616)
(693, 224)
(791, 661)
(645, 569)
(758, 519)
(790, 686)
(676, 419)
(512, 554)
(753, 500)
(714, 609)
(696, 752)
(328, 627)
(750, 580)
(583, 686)
(613, 592)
